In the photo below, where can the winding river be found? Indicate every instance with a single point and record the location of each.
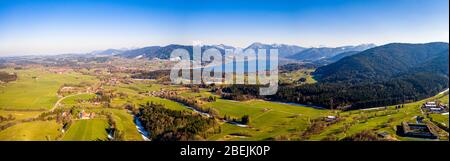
(144, 133)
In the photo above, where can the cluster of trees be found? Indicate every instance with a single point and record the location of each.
(365, 135)
(209, 99)
(316, 126)
(294, 66)
(152, 74)
(370, 93)
(169, 125)
(104, 96)
(349, 96)
(243, 120)
(6, 77)
(193, 102)
(240, 92)
(65, 120)
(7, 118)
(117, 134)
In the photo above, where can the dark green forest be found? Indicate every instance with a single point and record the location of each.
(168, 125)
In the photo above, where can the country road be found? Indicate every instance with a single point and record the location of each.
(57, 103)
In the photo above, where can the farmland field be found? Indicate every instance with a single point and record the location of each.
(87, 130)
(294, 76)
(74, 100)
(268, 119)
(36, 88)
(443, 119)
(18, 115)
(125, 123)
(32, 131)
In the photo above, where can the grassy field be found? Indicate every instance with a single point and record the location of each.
(443, 119)
(79, 100)
(18, 115)
(376, 120)
(74, 100)
(31, 131)
(87, 130)
(268, 119)
(136, 99)
(294, 76)
(444, 99)
(36, 88)
(125, 123)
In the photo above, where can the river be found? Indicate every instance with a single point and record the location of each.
(144, 134)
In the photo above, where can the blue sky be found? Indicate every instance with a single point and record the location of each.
(67, 26)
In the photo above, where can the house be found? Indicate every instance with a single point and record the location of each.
(434, 107)
(330, 118)
(59, 70)
(430, 104)
(86, 115)
(415, 130)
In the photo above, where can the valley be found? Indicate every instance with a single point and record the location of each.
(95, 98)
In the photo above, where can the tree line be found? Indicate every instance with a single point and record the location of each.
(348, 96)
(169, 125)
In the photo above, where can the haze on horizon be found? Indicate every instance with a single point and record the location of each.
(77, 26)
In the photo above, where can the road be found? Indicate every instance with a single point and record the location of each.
(57, 103)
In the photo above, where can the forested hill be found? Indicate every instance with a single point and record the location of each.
(381, 76)
(388, 61)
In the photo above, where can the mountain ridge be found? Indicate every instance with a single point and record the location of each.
(384, 61)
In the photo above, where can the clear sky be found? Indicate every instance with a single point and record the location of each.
(74, 26)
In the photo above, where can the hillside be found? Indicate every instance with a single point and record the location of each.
(388, 61)
(164, 52)
(385, 75)
(335, 58)
(283, 49)
(314, 54)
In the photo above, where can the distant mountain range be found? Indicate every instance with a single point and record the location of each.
(153, 52)
(335, 58)
(287, 52)
(283, 49)
(314, 54)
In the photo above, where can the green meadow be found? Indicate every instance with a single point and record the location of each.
(76, 99)
(292, 77)
(136, 99)
(87, 130)
(32, 131)
(268, 119)
(124, 123)
(36, 88)
(18, 115)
